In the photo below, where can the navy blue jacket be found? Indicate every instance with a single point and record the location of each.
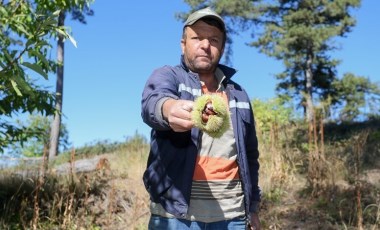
(171, 162)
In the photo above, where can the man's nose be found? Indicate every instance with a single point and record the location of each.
(205, 43)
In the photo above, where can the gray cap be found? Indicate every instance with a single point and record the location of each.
(206, 12)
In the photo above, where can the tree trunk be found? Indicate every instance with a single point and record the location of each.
(313, 174)
(309, 90)
(56, 125)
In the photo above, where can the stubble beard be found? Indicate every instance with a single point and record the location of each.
(200, 67)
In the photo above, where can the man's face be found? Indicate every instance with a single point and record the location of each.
(202, 47)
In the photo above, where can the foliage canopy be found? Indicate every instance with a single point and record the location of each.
(25, 43)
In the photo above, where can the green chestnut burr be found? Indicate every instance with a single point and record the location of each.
(210, 114)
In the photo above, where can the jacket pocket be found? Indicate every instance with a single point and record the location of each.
(156, 180)
(245, 114)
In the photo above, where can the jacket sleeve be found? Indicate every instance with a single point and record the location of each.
(160, 86)
(253, 162)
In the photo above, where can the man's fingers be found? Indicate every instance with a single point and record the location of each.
(179, 115)
(186, 108)
(181, 125)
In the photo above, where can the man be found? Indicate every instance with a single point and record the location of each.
(196, 181)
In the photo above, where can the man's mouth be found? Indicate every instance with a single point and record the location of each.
(206, 57)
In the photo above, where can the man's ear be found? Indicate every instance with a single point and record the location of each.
(183, 43)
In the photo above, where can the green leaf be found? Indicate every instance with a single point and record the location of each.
(39, 55)
(62, 32)
(22, 85)
(21, 28)
(7, 56)
(15, 87)
(2, 66)
(42, 43)
(67, 35)
(72, 40)
(56, 13)
(49, 22)
(36, 68)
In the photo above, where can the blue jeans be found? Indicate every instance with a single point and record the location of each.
(163, 223)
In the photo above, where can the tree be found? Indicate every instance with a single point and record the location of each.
(353, 94)
(25, 34)
(37, 136)
(56, 123)
(300, 33)
(77, 8)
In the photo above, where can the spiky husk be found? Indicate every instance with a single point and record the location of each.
(216, 124)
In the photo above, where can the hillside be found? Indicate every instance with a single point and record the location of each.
(109, 193)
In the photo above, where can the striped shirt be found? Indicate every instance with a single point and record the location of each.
(216, 192)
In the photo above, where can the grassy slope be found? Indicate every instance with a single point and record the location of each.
(113, 197)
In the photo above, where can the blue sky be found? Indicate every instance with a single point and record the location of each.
(126, 40)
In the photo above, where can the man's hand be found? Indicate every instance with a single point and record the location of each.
(255, 222)
(178, 114)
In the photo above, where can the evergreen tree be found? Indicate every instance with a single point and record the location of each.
(356, 97)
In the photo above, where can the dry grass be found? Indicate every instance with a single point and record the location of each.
(114, 197)
(128, 168)
(287, 201)
(111, 197)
